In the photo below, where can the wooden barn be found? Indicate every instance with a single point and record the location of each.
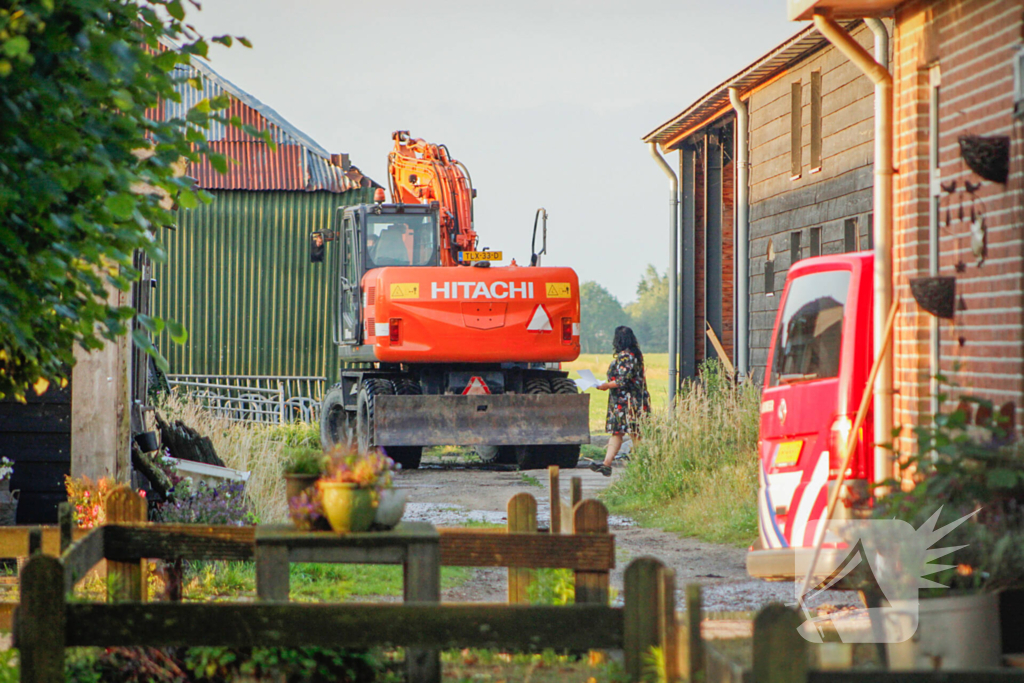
(790, 177)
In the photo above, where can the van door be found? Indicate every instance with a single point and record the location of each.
(802, 398)
(349, 280)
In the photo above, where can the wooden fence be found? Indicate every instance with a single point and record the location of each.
(46, 623)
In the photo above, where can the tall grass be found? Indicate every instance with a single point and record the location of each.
(695, 468)
(257, 449)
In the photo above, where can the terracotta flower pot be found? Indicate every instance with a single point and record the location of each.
(347, 506)
(295, 484)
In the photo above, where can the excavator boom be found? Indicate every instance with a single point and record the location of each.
(420, 172)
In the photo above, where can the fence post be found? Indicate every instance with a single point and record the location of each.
(35, 541)
(280, 399)
(591, 517)
(66, 523)
(125, 580)
(576, 494)
(780, 652)
(695, 644)
(39, 620)
(556, 500)
(522, 518)
(668, 628)
(643, 614)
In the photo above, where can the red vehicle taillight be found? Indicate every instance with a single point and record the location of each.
(838, 436)
(566, 330)
(395, 330)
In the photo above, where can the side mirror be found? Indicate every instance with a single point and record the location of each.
(317, 245)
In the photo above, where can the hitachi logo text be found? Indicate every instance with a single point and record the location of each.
(480, 290)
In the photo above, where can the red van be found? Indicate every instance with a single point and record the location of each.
(818, 362)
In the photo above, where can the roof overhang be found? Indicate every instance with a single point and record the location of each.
(715, 103)
(803, 10)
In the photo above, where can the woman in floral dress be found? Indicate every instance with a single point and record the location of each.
(628, 400)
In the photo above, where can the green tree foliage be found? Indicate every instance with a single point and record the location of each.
(76, 79)
(649, 313)
(600, 314)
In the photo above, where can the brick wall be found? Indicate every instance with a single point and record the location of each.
(973, 42)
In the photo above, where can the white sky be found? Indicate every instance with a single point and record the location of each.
(544, 102)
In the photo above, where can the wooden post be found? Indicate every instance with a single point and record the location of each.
(522, 518)
(35, 541)
(556, 500)
(780, 652)
(591, 517)
(39, 621)
(643, 614)
(695, 644)
(422, 579)
(668, 632)
(272, 572)
(66, 523)
(577, 491)
(125, 580)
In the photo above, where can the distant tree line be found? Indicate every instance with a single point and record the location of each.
(648, 316)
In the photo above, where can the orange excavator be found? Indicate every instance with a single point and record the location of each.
(439, 346)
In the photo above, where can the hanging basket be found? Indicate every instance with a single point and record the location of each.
(937, 295)
(988, 156)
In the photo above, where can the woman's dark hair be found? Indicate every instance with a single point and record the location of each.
(625, 339)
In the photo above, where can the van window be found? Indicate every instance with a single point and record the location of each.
(810, 335)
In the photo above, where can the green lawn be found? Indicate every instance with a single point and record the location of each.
(656, 365)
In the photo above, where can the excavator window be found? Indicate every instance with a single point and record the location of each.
(401, 240)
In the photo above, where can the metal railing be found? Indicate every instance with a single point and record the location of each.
(269, 399)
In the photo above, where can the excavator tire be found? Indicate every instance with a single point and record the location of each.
(407, 456)
(563, 385)
(533, 457)
(499, 455)
(364, 410)
(337, 425)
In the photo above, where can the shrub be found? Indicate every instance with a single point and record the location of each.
(204, 504)
(694, 469)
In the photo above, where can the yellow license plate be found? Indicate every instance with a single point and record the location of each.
(788, 453)
(479, 255)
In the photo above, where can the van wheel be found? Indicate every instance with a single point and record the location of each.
(407, 456)
(337, 425)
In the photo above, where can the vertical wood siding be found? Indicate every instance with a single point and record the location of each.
(238, 276)
(841, 190)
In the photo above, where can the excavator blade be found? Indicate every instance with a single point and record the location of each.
(481, 420)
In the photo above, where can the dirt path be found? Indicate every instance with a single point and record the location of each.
(451, 494)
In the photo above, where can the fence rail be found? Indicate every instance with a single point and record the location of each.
(270, 399)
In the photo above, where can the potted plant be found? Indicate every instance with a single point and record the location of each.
(350, 489)
(301, 469)
(962, 470)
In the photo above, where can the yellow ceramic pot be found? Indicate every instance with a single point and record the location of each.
(347, 506)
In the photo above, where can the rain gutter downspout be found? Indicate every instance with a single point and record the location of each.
(742, 231)
(673, 265)
(883, 201)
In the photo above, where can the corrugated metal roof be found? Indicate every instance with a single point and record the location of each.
(806, 41)
(298, 163)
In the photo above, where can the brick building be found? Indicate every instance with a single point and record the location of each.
(958, 197)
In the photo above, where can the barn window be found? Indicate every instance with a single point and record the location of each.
(769, 270)
(796, 128)
(815, 121)
(794, 247)
(815, 241)
(850, 236)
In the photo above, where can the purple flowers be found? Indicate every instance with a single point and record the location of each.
(204, 504)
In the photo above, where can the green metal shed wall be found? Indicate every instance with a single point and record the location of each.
(238, 277)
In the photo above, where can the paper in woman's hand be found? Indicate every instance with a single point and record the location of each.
(586, 380)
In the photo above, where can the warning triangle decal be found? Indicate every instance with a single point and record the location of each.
(539, 322)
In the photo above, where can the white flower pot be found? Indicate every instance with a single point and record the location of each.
(391, 507)
(960, 632)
